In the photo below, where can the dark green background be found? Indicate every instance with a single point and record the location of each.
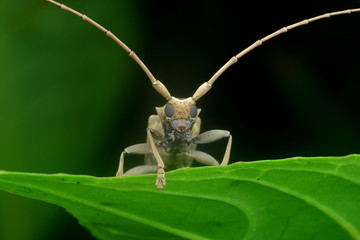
(71, 99)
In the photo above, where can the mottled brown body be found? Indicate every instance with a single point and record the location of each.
(174, 134)
(173, 145)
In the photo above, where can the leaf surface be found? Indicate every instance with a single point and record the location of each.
(297, 198)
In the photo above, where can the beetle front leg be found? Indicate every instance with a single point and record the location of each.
(160, 179)
(212, 136)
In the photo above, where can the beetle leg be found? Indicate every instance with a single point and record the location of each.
(160, 179)
(142, 148)
(212, 136)
(202, 157)
(142, 169)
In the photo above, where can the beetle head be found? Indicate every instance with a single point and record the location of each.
(180, 114)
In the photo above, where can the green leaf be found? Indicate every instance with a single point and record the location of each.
(297, 198)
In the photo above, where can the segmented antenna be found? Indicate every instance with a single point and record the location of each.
(205, 87)
(156, 83)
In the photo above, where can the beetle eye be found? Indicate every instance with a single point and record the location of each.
(169, 110)
(193, 111)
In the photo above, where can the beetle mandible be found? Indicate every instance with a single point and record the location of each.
(174, 132)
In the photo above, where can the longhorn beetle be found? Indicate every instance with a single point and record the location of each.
(172, 134)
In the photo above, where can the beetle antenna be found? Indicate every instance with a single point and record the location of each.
(160, 87)
(205, 87)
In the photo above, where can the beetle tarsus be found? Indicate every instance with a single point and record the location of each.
(160, 179)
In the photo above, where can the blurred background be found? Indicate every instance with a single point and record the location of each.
(71, 99)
